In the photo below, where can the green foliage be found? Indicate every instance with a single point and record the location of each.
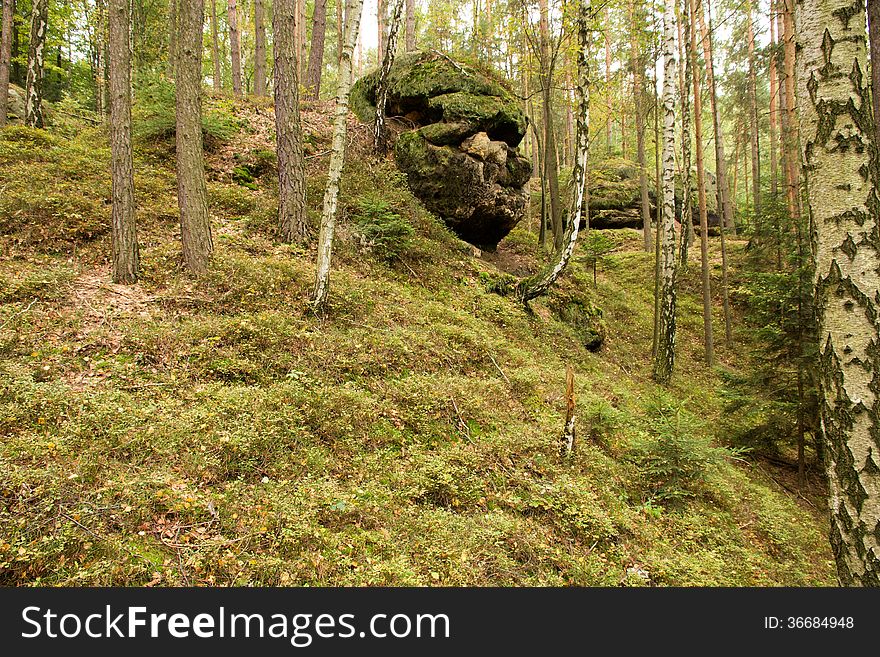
(381, 230)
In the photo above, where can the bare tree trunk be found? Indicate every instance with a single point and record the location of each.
(753, 114)
(316, 52)
(701, 196)
(124, 235)
(535, 286)
(234, 45)
(302, 33)
(569, 433)
(790, 138)
(195, 225)
(215, 49)
(292, 220)
(874, 33)
(339, 38)
(687, 205)
(380, 135)
(380, 19)
(551, 163)
(259, 50)
(844, 211)
(172, 39)
(638, 71)
(410, 42)
(337, 158)
(34, 89)
(774, 92)
(5, 57)
(609, 136)
(664, 361)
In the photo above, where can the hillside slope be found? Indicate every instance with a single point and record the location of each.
(214, 431)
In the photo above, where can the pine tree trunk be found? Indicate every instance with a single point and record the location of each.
(302, 33)
(637, 63)
(774, 92)
(292, 222)
(215, 49)
(535, 286)
(550, 159)
(753, 115)
(34, 87)
(665, 357)
(844, 211)
(259, 49)
(337, 157)
(410, 41)
(316, 52)
(874, 32)
(5, 57)
(234, 45)
(687, 205)
(380, 135)
(701, 197)
(124, 234)
(101, 58)
(790, 139)
(609, 135)
(195, 226)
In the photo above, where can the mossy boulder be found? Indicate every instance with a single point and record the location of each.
(460, 154)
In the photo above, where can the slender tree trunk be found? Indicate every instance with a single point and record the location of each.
(259, 49)
(537, 285)
(215, 49)
(609, 137)
(34, 88)
(316, 52)
(5, 57)
(410, 41)
(658, 221)
(551, 162)
(234, 45)
(638, 71)
(701, 196)
(753, 114)
(874, 33)
(337, 158)
(101, 58)
(664, 361)
(195, 225)
(172, 39)
(380, 133)
(339, 37)
(844, 211)
(792, 157)
(302, 53)
(292, 220)
(774, 93)
(124, 235)
(380, 20)
(687, 204)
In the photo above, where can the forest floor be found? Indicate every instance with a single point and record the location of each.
(215, 431)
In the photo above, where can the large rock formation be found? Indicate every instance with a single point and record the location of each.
(460, 154)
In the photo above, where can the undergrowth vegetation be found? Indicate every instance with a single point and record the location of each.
(213, 430)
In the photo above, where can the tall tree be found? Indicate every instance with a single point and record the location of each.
(687, 207)
(5, 56)
(637, 64)
(100, 68)
(774, 93)
(753, 111)
(192, 196)
(380, 27)
(337, 157)
(126, 259)
(535, 286)
(874, 32)
(234, 44)
(259, 49)
(844, 211)
(292, 221)
(215, 49)
(316, 52)
(34, 88)
(664, 360)
(172, 39)
(701, 195)
(380, 133)
(410, 40)
(550, 158)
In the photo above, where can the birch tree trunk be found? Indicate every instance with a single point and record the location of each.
(234, 45)
(215, 49)
(410, 41)
(126, 260)
(291, 172)
(844, 212)
(316, 52)
(195, 225)
(535, 286)
(701, 197)
(34, 88)
(259, 49)
(664, 360)
(5, 57)
(380, 133)
(687, 208)
(337, 157)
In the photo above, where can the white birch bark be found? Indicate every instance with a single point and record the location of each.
(33, 111)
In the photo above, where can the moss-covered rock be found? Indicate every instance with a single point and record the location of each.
(461, 159)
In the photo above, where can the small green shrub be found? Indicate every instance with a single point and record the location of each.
(380, 229)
